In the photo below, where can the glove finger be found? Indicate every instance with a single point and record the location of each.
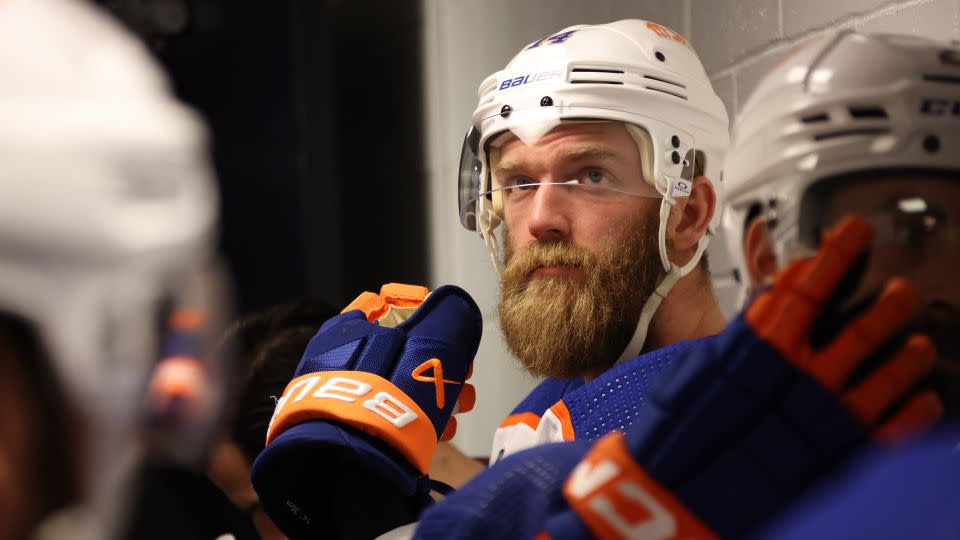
(784, 315)
(917, 416)
(841, 247)
(833, 366)
(403, 295)
(868, 400)
(467, 399)
(777, 318)
(767, 302)
(450, 430)
(372, 305)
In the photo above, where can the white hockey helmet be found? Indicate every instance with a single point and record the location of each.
(631, 71)
(841, 106)
(107, 214)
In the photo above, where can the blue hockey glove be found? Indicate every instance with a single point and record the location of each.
(351, 439)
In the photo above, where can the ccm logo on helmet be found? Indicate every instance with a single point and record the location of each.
(539, 76)
(940, 107)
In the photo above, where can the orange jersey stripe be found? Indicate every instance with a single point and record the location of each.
(527, 418)
(566, 424)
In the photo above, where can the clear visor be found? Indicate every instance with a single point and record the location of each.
(601, 160)
(915, 217)
(469, 179)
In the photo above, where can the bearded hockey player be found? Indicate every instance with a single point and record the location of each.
(597, 151)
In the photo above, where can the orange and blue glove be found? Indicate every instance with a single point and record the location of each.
(352, 437)
(732, 431)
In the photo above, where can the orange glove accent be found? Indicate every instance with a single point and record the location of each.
(450, 430)
(804, 287)
(364, 401)
(617, 499)
(375, 306)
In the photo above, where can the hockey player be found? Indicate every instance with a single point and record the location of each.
(107, 215)
(830, 356)
(876, 142)
(877, 137)
(596, 148)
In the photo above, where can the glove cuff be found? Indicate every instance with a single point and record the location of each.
(616, 498)
(364, 401)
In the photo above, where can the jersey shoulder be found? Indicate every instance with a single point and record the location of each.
(520, 429)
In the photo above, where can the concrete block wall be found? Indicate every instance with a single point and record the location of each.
(740, 40)
(466, 40)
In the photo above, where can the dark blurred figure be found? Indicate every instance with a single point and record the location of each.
(268, 348)
(175, 502)
(30, 397)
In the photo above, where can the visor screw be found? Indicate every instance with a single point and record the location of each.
(505, 111)
(931, 143)
(675, 157)
(546, 101)
(675, 141)
(661, 57)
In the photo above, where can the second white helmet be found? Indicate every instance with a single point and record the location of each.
(844, 104)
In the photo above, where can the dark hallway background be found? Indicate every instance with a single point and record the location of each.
(315, 113)
(315, 109)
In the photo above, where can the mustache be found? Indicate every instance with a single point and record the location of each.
(538, 255)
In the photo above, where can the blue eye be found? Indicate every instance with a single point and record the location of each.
(595, 176)
(521, 182)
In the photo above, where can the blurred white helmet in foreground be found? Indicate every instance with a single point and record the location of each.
(107, 216)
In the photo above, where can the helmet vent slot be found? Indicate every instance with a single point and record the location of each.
(595, 70)
(596, 82)
(665, 81)
(868, 112)
(674, 94)
(850, 133)
(597, 75)
(815, 118)
(949, 79)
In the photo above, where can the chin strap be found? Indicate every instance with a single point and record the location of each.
(674, 273)
(488, 221)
